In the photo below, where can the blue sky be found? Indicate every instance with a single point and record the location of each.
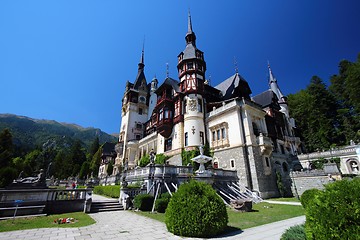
(69, 60)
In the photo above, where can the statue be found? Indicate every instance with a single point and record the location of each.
(152, 156)
(29, 182)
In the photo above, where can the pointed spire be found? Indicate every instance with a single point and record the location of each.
(271, 75)
(190, 35)
(141, 63)
(189, 23)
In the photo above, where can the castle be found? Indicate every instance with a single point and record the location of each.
(253, 135)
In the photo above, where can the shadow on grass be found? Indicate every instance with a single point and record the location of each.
(230, 231)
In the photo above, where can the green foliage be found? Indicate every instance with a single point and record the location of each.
(308, 195)
(6, 148)
(328, 116)
(110, 168)
(280, 184)
(95, 162)
(294, 233)
(186, 156)
(109, 191)
(335, 212)
(144, 160)
(195, 210)
(7, 175)
(161, 158)
(143, 202)
(85, 170)
(162, 202)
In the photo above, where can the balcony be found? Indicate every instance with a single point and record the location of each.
(164, 127)
(265, 144)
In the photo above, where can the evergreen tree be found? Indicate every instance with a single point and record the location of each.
(95, 162)
(77, 157)
(6, 148)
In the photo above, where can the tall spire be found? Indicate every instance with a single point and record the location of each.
(141, 63)
(189, 23)
(271, 75)
(274, 86)
(190, 35)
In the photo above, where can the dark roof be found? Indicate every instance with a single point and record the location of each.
(266, 98)
(170, 82)
(139, 78)
(108, 148)
(234, 86)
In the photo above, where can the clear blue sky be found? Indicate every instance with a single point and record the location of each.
(69, 60)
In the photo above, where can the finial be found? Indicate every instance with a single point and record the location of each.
(236, 65)
(167, 70)
(142, 52)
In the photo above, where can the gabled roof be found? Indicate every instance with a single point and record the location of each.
(266, 99)
(169, 82)
(231, 87)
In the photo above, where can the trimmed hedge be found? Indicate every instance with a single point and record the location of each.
(308, 196)
(162, 202)
(335, 212)
(109, 191)
(195, 210)
(296, 232)
(143, 202)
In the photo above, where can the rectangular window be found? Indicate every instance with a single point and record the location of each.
(168, 144)
(160, 114)
(213, 136)
(139, 126)
(199, 105)
(190, 65)
(140, 111)
(232, 163)
(223, 133)
(137, 137)
(202, 138)
(267, 161)
(218, 134)
(186, 139)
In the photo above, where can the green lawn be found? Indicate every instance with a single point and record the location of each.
(263, 213)
(292, 199)
(82, 219)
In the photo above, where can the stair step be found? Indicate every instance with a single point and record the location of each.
(106, 206)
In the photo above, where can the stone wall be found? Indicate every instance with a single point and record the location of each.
(302, 181)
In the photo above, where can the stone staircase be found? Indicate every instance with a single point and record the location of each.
(104, 206)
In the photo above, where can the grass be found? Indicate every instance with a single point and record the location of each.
(292, 199)
(262, 213)
(82, 219)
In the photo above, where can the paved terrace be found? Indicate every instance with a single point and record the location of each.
(128, 225)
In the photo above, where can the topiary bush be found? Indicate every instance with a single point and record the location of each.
(308, 195)
(162, 202)
(195, 210)
(143, 202)
(109, 191)
(335, 212)
(294, 233)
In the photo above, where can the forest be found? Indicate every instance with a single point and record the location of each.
(328, 116)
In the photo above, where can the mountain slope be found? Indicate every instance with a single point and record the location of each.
(29, 133)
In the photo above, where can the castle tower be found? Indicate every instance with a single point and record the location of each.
(133, 116)
(191, 71)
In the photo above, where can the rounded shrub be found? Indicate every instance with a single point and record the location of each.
(296, 232)
(162, 202)
(143, 202)
(309, 195)
(195, 210)
(335, 212)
